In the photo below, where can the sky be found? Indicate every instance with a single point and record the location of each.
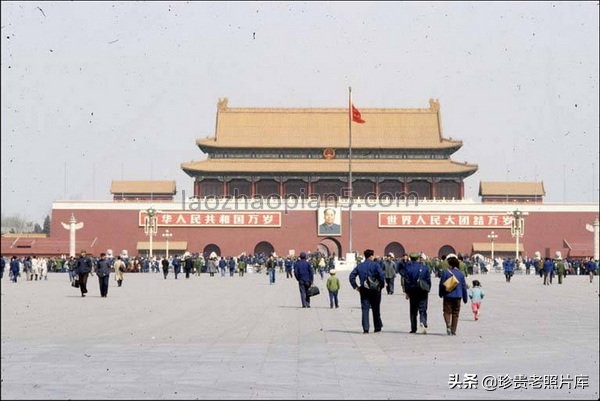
(93, 92)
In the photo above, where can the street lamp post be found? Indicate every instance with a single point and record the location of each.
(150, 226)
(166, 235)
(517, 228)
(492, 237)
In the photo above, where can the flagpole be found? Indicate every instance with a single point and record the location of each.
(350, 194)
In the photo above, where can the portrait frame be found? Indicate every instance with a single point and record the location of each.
(325, 230)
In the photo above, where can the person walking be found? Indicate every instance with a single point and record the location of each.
(241, 266)
(188, 265)
(509, 267)
(322, 265)
(231, 265)
(35, 267)
(548, 271)
(28, 268)
(15, 266)
(103, 273)
(70, 265)
(370, 294)
(389, 269)
(288, 267)
(211, 264)
(451, 304)
(417, 283)
(176, 262)
(590, 268)
(304, 275)
(198, 264)
(560, 267)
(44, 268)
(83, 267)
(538, 264)
(333, 287)
(270, 265)
(165, 267)
(476, 295)
(222, 265)
(119, 267)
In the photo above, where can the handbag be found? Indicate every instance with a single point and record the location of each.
(450, 283)
(371, 283)
(75, 282)
(312, 291)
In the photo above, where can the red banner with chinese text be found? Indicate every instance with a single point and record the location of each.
(214, 219)
(444, 220)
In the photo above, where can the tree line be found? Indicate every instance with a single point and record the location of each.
(19, 224)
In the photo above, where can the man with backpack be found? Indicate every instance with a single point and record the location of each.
(372, 281)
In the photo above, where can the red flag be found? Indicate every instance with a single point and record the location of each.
(356, 117)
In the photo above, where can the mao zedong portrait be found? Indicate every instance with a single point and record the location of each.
(329, 227)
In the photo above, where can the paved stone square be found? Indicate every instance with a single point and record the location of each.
(241, 338)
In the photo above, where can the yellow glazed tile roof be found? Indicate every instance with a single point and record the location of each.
(327, 128)
(143, 187)
(488, 188)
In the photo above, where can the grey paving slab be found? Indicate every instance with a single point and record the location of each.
(241, 338)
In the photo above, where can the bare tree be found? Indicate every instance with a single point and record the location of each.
(16, 224)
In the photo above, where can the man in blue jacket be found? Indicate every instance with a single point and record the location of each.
(416, 295)
(14, 268)
(548, 271)
(369, 297)
(176, 262)
(83, 267)
(590, 268)
(509, 268)
(452, 298)
(103, 273)
(304, 274)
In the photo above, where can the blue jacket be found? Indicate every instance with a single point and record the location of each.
(548, 266)
(590, 266)
(412, 274)
(14, 266)
(102, 267)
(303, 272)
(461, 289)
(83, 265)
(508, 265)
(365, 269)
(176, 262)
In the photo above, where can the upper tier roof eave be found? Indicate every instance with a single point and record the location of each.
(210, 143)
(337, 166)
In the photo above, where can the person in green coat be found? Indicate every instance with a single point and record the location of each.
(241, 267)
(560, 267)
(463, 266)
(333, 287)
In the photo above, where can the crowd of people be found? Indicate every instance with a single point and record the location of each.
(414, 271)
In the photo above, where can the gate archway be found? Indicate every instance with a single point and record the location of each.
(396, 248)
(208, 249)
(264, 247)
(330, 247)
(445, 250)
